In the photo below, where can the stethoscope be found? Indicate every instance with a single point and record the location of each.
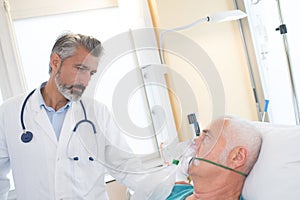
(27, 136)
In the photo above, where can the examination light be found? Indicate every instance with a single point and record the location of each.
(228, 15)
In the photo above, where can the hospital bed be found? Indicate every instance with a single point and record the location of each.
(276, 174)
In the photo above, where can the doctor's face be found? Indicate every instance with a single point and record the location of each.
(74, 74)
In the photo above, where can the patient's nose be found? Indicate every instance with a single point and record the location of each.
(198, 142)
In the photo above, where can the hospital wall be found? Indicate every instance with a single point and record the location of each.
(224, 46)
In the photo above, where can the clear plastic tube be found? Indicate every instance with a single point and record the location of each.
(167, 176)
(187, 155)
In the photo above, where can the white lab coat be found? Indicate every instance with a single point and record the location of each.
(42, 168)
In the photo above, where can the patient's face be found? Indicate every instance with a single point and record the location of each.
(211, 144)
(210, 138)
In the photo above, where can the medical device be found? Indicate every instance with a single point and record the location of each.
(195, 161)
(28, 135)
(183, 161)
(265, 110)
(194, 124)
(168, 174)
(182, 154)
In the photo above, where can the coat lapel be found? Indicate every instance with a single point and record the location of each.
(41, 119)
(68, 125)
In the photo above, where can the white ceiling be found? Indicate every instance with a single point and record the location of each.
(20, 9)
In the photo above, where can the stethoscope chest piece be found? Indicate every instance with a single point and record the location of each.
(26, 137)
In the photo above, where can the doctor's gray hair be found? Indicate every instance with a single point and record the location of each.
(67, 43)
(239, 132)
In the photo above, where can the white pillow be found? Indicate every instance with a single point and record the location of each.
(276, 174)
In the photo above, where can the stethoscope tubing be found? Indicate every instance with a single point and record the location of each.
(27, 135)
(84, 120)
(23, 108)
(74, 130)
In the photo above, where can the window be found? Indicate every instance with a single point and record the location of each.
(36, 36)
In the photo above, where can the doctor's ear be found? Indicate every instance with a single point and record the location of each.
(55, 61)
(238, 157)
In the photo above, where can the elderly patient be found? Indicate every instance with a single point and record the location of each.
(226, 152)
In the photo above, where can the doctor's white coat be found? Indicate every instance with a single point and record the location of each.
(44, 169)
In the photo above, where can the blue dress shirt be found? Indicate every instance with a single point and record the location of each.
(56, 117)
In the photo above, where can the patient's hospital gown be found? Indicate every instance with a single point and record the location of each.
(182, 191)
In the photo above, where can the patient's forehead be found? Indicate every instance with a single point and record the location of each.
(217, 127)
(211, 136)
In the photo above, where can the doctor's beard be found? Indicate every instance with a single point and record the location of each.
(70, 92)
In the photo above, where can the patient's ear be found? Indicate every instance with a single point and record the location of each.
(238, 157)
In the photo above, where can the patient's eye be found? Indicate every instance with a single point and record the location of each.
(207, 137)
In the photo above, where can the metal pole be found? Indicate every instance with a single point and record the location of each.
(249, 65)
(283, 31)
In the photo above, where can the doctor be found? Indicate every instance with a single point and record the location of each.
(58, 144)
